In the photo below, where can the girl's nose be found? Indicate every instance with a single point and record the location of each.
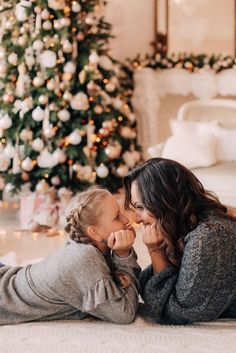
(123, 219)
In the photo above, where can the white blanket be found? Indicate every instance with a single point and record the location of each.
(95, 336)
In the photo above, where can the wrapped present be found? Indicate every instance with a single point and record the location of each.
(29, 203)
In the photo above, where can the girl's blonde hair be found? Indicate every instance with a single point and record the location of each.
(85, 210)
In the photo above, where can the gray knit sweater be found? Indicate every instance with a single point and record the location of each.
(71, 283)
(204, 288)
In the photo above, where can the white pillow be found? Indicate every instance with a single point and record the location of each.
(192, 150)
(155, 150)
(226, 144)
(183, 127)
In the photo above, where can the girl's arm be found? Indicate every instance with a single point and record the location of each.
(204, 286)
(106, 299)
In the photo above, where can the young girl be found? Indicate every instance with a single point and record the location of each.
(82, 278)
(191, 239)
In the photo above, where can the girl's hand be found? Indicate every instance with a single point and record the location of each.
(121, 242)
(152, 238)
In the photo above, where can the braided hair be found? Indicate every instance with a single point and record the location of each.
(84, 211)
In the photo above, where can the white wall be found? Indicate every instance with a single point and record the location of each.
(133, 26)
(201, 26)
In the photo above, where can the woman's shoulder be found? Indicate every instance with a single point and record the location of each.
(213, 226)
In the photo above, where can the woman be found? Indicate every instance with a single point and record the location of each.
(191, 239)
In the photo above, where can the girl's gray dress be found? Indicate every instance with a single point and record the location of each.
(71, 283)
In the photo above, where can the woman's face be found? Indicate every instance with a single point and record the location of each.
(141, 214)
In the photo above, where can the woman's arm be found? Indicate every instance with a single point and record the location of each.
(204, 286)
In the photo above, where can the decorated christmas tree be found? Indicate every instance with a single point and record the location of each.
(65, 113)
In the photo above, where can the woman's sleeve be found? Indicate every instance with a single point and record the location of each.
(202, 289)
(108, 301)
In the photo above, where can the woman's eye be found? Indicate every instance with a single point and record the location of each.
(139, 208)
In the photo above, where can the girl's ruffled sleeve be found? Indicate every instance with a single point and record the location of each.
(108, 301)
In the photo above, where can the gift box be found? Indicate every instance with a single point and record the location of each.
(29, 203)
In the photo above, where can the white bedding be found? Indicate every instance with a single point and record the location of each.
(95, 336)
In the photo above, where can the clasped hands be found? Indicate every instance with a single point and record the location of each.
(122, 241)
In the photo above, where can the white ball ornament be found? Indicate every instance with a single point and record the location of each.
(63, 115)
(113, 151)
(38, 114)
(43, 99)
(9, 25)
(74, 138)
(122, 170)
(38, 45)
(67, 96)
(42, 186)
(9, 188)
(98, 109)
(48, 58)
(75, 7)
(110, 87)
(59, 156)
(67, 47)
(13, 58)
(49, 131)
(38, 145)
(80, 101)
(56, 180)
(93, 58)
(27, 164)
(9, 151)
(21, 13)
(51, 85)
(26, 135)
(57, 25)
(5, 122)
(38, 81)
(46, 160)
(22, 41)
(45, 14)
(70, 67)
(47, 25)
(102, 171)
(64, 21)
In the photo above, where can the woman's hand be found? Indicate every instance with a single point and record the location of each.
(152, 237)
(121, 242)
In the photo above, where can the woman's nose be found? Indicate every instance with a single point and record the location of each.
(138, 219)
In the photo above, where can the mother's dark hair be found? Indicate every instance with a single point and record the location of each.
(175, 197)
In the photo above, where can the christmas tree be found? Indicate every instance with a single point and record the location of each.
(65, 113)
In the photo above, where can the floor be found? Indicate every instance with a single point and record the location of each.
(28, 246)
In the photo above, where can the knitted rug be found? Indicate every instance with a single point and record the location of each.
(95, 336)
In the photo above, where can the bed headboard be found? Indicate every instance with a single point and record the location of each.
(221, 110)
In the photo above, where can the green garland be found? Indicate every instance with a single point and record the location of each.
(191, 62)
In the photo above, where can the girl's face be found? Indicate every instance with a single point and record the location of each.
(111, 219)
(141, 214)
